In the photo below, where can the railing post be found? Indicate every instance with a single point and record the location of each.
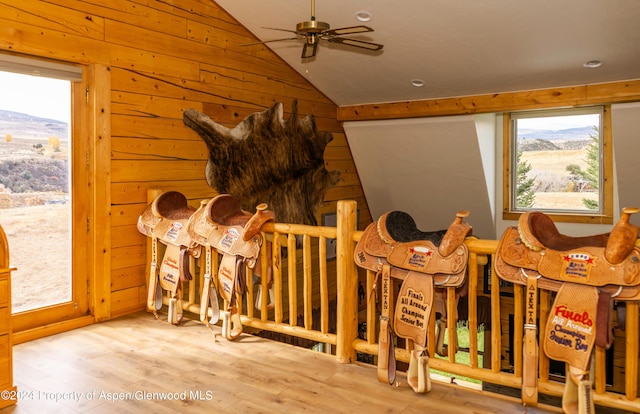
(347, 283)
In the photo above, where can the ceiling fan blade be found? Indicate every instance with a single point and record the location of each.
(282, 30)
(309, 50)
(355, 42)
(347, 30)
(268, 41)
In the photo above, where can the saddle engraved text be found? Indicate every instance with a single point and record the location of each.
(414, 308)
(419, 257)
(174, 231)
(230, 237)
(583, 317)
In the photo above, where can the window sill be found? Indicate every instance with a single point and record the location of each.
(566, 218)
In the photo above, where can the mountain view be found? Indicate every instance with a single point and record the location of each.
(554, 135)
(554, 140)
(34, 159)
(20, 125)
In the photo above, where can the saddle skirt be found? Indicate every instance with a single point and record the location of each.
(222, 224)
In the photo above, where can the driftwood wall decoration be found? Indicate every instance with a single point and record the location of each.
(266, 159)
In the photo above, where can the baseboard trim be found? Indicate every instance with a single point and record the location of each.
(51, 329)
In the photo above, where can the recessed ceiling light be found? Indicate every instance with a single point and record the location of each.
(363, 16)
(418, 83)
(592, 64)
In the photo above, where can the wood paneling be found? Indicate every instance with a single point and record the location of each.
(50, 16)
(125, 193)
(160, 58)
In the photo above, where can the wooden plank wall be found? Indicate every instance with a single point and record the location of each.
(162, 58)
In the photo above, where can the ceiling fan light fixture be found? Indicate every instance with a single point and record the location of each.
(592, 64)
(312, 26)
(363, 16)
(418, 83)
(312, 31)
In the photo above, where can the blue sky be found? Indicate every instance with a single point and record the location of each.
(33, 95)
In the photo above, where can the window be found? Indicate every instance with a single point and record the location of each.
(35, 115)
(43, 190)
(559, 162)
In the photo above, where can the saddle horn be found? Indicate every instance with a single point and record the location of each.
(623, 237)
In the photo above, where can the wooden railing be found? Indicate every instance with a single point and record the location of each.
(303, 270)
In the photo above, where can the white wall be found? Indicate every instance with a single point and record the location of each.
(625, 120)
(428, 167)
(433, 167)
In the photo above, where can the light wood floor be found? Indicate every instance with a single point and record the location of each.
(143, 357)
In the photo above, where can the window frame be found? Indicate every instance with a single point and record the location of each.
(605, 217)
(90, 181)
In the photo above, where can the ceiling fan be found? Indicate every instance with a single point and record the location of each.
(313, 31)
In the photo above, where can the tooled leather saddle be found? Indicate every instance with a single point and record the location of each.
(393, 246)
(165, 221)
(221, 224)
(587, 274)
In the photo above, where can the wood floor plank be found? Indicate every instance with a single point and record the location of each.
(139, 364)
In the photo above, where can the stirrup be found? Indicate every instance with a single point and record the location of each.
(577, 397)
(209, 300)
(418, 374)
(174, 315)
(441, 348)
(154, 298)
(231, 324)
(585, 398)
(260, 297)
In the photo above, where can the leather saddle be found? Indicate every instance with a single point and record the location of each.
(588, 274)
(394, 239)
(165, 221)
(221, 224)
(393, 246)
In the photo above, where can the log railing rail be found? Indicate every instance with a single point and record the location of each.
(301, 269)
